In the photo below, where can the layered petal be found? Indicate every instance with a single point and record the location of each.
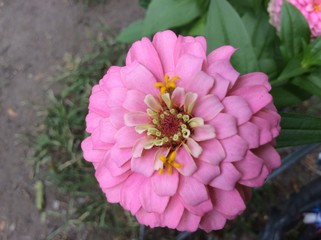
(208, 107)
(178, 138)
(145, 53)
(165, 184)
(151, 202)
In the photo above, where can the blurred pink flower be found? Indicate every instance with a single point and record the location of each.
(178, 137)
(311, 10)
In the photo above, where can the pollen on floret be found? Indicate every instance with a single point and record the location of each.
(169, 163)
(167, 85)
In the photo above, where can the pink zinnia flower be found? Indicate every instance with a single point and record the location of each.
(310, 9)
(178, 137)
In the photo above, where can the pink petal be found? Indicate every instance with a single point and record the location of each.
(200, 84)
(252, 79)
(114, 169)
(225, 69)
(228, 177)
(200, 209)
(92, 121)
(113, 194)
(178, 97)
(120, 155)
(98, 103)
(165, 184)
(145, 163)
(106, 179)
(208, 107)
(126, 137)
(116, 97)
(221, 53)
(204, 132)
(149, 219)
(193, 147)
(107, 131)
(153, 103)
(136, 118)
(203, 42)
(144, 53)
(213, 152)
(189, 102)
(228, 202)
(129, 191)
(158, 164)
(137, 77)
(221, 86)
(134, 101)
(273, 119)
(96, 89)
(187, 67)
(173, 213)
(190, 45)
(90, 154)
(235, 148)
(164, 43)
(111, 79)
(225, 125)
(191, 191)
(250, 166)
(257, 181)
(237, 107)
(117, 117)
(250, 133)
(256, 96)
(189, 222)
(97, 141)
(213, 221)
(183, 157)
(206, 172)
(270, 156)
(264, 129)
(150, 201)
(139, 147)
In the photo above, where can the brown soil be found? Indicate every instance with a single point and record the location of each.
(34, 36)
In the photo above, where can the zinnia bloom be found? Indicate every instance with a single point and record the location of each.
(310, 9)
(178, 137)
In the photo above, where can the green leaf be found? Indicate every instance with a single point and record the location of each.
(293, 69)
(165, 14)
(312, 53)
(131, 33)
(261, 33)
(294, 31)
(245, 6)
(198, 28)
(144, 3)
(225, 27)
(310, 83)
(288, 95)
(298, 129)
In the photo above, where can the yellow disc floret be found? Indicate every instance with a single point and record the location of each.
(169, 163)
(167, 85)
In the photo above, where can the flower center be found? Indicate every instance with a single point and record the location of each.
(171, 127)
(170, 122)
(317, 5)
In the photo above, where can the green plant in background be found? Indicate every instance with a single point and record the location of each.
(58, 157)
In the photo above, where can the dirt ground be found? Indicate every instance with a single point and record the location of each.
(34, 36)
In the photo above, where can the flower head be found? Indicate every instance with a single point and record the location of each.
(178, 137)
(311, 10)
